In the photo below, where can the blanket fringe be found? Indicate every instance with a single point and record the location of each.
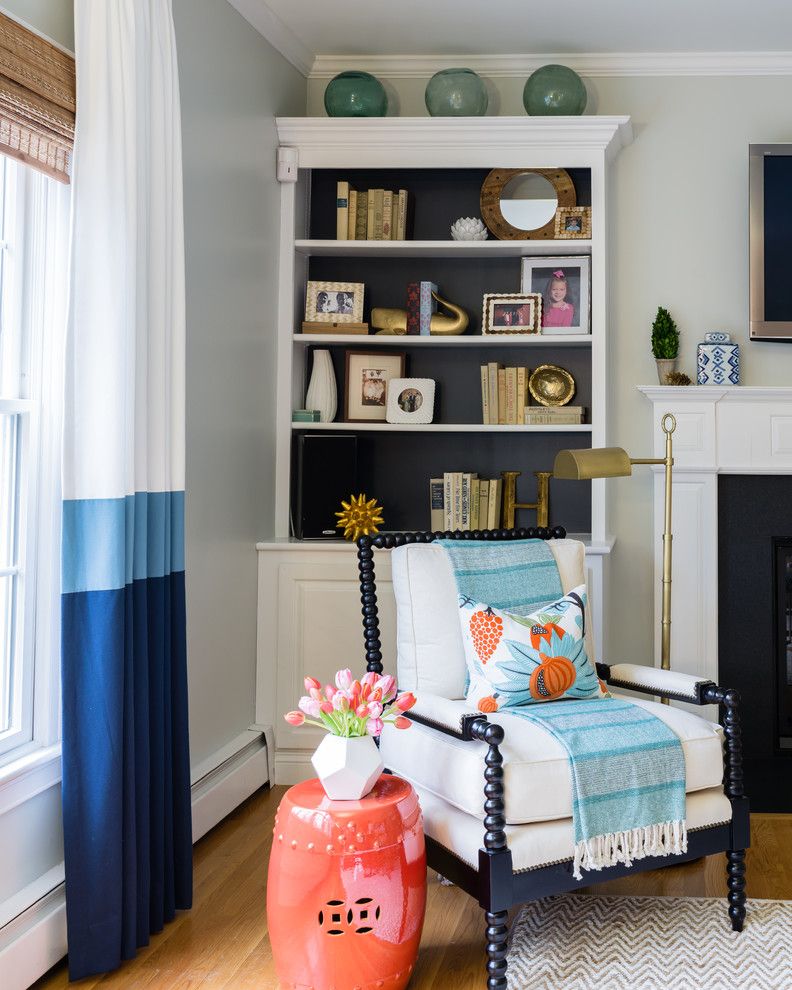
(601, 851)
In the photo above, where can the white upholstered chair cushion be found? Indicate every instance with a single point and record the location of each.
(431, 656)
(537, 781)
(542, 843)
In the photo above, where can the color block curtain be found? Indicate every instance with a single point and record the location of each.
(126, 796)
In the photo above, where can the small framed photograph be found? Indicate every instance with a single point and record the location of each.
(573, 221)
(366, 386)
(564, 285)
(512, 312)
(410, 400)
(334, 302)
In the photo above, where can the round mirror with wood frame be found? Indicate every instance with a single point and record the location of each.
(492, 194)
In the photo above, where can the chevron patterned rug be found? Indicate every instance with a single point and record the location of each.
(587, 942)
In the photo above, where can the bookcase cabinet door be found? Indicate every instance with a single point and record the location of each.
(310, 624)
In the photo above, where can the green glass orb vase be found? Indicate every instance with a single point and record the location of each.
(355, 94)
(456, 93)
(554, 90)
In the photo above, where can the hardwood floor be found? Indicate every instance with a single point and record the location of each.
(222, 942)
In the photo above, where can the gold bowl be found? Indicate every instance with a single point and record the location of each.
(551, 385)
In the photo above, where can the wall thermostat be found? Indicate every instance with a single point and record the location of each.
(287, 164)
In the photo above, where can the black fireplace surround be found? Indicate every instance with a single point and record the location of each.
(754, 597)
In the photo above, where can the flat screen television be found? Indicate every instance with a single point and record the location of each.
(770, 182)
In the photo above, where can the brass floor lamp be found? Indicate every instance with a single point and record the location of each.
(613, 462)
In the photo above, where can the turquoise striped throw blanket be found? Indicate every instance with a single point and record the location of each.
(628, 779)
(517, 575)
(627, 766)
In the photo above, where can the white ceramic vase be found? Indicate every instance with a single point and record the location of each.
(322, 393)
(347, 768)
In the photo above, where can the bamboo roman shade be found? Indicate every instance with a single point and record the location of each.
(37, 100)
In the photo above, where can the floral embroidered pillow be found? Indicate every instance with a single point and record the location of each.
(516, 660)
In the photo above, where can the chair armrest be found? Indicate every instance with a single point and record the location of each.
(654, 680)
(436, 712)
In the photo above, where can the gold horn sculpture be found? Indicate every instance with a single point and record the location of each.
(394, 321)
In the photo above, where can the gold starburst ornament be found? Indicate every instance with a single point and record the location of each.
(359, 517)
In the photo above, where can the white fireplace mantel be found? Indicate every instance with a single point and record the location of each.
(737, 429)
(720, 430)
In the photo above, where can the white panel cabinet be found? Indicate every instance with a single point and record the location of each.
(310, 624)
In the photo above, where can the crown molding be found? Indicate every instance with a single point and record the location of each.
(328, 142)
(272, 29)
(588, 64)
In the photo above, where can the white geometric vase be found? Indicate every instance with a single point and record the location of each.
(322, 393)
(347, 768)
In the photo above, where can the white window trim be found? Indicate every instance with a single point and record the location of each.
(35, 765)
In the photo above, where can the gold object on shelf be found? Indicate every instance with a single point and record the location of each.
(613, 462)
(551, 385)
(394, 321)
(359, 517)
(389, 321)
(441, 325)
(542, 503)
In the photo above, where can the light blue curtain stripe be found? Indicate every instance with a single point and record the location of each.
(110, 542)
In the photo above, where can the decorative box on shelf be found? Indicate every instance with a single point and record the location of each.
(718, 360)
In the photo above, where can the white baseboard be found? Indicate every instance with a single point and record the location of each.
(293, 766)
(225, 787)
(35, 940)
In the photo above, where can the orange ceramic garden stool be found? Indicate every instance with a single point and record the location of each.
(347, 888)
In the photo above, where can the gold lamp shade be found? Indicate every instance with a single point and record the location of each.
(601, 462)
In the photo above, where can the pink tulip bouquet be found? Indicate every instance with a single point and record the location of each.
(353, 708)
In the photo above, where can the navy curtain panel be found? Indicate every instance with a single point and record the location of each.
(126, 772)
(126, 777)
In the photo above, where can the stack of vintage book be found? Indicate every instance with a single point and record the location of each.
(461, 500)
(505, 398)
(553, 415)
(370, 214)
(504, 394)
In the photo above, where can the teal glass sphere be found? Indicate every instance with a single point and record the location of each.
(554, 89)
(456, 93)
(355, 94)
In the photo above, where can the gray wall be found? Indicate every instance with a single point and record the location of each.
(680, 240)
(232, 84)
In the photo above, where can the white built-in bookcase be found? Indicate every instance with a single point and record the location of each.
(309, 611)
(342, 145)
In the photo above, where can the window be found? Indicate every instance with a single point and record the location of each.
(33, 266)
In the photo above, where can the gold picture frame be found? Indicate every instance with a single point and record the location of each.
(573, 222)
(334, 302)
(512, 313)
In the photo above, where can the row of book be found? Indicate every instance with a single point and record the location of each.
(505, 400)
(461, 500)
(370, 214)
